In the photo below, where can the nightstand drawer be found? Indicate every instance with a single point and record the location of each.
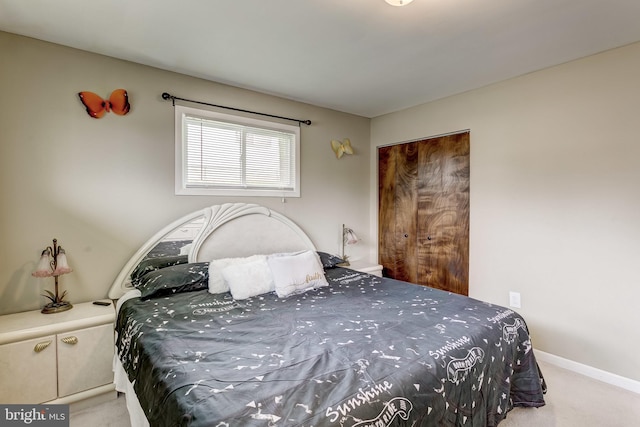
(85, 358)
(28, 371)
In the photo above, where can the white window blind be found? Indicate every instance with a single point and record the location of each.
(221, 154)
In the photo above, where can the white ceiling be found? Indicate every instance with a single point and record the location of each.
(358, 56)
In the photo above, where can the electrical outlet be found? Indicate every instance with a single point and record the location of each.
(514, 299)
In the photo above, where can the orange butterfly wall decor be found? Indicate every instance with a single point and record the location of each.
(96, 106)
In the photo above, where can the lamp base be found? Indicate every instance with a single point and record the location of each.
(56, 307)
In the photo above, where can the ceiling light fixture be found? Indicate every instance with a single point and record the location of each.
(398, 2)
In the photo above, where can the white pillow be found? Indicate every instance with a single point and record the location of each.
(217, 284)
(249, 279)
(296, 273)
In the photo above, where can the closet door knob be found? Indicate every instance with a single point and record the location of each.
(428, 237)
(406, 235)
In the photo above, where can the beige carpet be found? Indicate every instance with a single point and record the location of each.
(572, 401)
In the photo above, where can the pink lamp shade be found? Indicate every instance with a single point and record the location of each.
(350, 237)
(44, 268)
(62, 266)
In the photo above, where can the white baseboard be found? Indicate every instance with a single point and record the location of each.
(589, 371)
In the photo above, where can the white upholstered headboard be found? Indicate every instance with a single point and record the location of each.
(227, 231)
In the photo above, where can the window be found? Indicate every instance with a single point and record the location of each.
(221, 154)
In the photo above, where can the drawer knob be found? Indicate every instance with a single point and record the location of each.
(41, 346)
(70, 340)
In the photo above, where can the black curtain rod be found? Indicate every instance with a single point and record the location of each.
(167, 96)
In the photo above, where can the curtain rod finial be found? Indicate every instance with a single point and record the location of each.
(165, 96)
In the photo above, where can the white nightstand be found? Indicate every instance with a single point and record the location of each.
(57, 358)
(366, 267)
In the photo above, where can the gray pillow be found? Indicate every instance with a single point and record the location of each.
(175, 279)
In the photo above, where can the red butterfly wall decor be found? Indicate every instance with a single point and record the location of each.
(96, 106)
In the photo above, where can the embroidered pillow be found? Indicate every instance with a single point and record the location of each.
(249, 279)
(296, 273)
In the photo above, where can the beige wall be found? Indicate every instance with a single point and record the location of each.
(554, 174)
(555, 200)
(102, 187)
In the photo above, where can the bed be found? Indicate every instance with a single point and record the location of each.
(207, 336)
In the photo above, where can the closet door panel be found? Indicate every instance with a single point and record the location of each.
(443, 214)
(386, 209)
(398, 172)
(406, 213)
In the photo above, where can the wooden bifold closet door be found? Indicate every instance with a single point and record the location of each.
(424, 212)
